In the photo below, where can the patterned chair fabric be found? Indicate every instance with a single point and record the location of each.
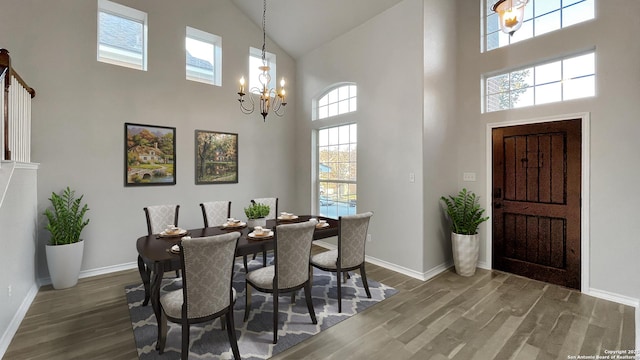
(206, 292)
(273, 206)
(160, 216)
(215, 213)
(351, 251)
(290, 271)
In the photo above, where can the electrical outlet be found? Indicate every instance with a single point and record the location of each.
(9, 291)
(368, 237)
(469, 176)
(412, 177)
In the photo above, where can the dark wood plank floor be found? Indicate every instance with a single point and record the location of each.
(491, 315)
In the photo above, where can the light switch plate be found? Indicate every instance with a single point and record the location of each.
(469, 176)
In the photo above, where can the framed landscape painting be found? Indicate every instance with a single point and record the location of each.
(150, 155)
(216, 157)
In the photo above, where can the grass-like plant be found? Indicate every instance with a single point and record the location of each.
(256, 211)
(66, 221)
(464, 212)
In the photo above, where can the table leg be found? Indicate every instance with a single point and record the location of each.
(156, 283)
(145, 276)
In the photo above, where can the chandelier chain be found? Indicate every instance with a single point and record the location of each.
(264, 32)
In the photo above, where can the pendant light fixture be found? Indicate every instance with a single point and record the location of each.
(268, 98)
(511, 13)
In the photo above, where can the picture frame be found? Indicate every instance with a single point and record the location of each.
(216, 157)
(149, 155)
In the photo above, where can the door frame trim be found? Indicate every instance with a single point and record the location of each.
(584, 187)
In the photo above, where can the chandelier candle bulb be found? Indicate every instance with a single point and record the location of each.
(241, 86)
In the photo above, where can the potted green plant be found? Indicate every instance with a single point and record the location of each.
(256, 214)
(466, 214)
(66, 220)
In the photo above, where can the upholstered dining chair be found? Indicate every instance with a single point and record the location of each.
(273, 213)
(158, 218)
(352, 236)
(207, 292)
(289, 272)
(215, 213)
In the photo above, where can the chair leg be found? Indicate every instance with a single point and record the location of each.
(264, 258)
(338, 278)
(185, 342)
(246, 268)
(307, 295)
(162, 333)
(364, 280)
(145, 275)
(247, 301)
(345, 276)
(231, 331)
(275, 317)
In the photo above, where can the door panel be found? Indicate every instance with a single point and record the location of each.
(536, 201)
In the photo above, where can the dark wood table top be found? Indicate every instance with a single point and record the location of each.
(156, 248)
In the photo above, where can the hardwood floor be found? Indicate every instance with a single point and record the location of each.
(491, 315)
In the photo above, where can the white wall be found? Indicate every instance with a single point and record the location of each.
(385, 58)
(81, 107)
(17, 245)
(614, 126)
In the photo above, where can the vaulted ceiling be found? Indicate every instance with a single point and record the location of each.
(299, 26)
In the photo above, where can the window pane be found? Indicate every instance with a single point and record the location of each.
(323, 112)
(522, 97)
(323, 100)
(333, 109)
(493, 41)
(541, 7)
(578, 66)
(353, 133)
(497, 84)
(323, 137)
(353, 104)
(578, 13)
(121, 35)
(343, 93)
(548, 93)
(333, 96)
(521, 79)
(498, 102)
(524, 33)
(353, 90)
(493, 22)
(547, 23)
(579, 88)
(343, 107)
(548, 73)
(333, 136)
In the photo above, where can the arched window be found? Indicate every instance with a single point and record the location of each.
(338, 100)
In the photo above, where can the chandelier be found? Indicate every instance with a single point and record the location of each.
(511, 13)
(269, 99)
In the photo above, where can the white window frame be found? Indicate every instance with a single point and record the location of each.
(119, 57)
(199, 75)
(530, 20)
(344, 105)
(270, 58)
(563, 82)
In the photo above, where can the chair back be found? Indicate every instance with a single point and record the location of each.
(215, 213)
(207, 265)
(352, 237)
(160, 216)
(292, 250)
(273, 206)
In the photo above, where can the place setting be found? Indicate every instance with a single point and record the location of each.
(321, 223)
(285, 216)
(234, 224)
(260, 233)
(172, 231)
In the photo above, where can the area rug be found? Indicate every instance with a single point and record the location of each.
(255, 336)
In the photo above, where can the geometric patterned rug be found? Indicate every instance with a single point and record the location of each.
(255, 336)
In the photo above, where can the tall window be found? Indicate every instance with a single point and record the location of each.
(255, 61)
(541, 16)
(337, 101)
(560, 80)
(122, 35)
(337, 170)
(204, 57)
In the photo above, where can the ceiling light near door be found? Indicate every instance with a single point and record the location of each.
(511, 14)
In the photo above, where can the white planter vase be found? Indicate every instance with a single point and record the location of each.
(251, 223)
(465, 253)
(64, 263)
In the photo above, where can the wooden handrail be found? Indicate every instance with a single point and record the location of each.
(9, 72)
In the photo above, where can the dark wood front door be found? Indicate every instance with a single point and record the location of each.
(536, 201)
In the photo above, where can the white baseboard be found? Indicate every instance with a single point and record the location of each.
(424, 276)
(96, 272)
(11, 330)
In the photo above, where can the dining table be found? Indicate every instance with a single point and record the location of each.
(155, 250)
